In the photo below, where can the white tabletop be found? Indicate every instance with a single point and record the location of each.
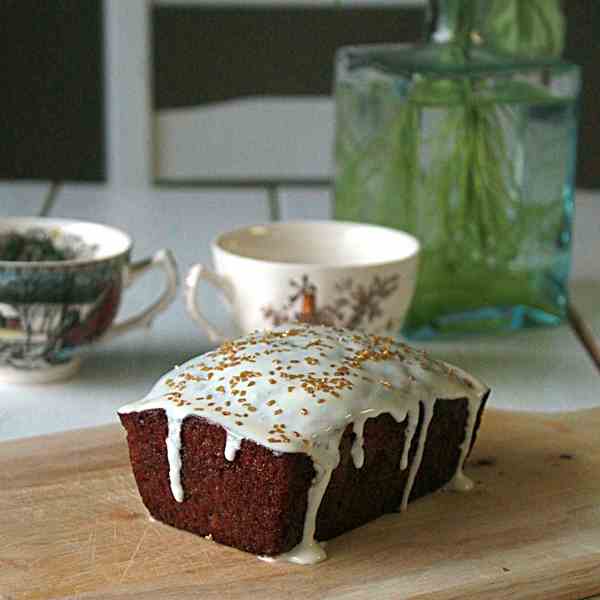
(544, 369)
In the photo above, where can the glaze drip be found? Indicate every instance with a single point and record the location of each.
(173, 443)
(232, 444)
(357, 452)
(409, 432)
(309, 551)
(416, 463)
(296, 389)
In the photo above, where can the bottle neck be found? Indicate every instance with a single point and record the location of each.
(535, 30)
(453, 21)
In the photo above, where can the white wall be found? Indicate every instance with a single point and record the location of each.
(286, 137)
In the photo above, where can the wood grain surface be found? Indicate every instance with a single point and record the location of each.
(72, 526)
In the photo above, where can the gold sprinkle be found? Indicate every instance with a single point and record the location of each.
(270, 402)
(272, 381)
(278, 411)
(303, 412)
(220, 389)
(291, 388)
(239, 423)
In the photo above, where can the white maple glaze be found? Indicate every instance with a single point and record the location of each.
(232, 444)
(296, 390)
(173, 443)
(460, 482)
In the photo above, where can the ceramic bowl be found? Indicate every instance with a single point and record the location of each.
(50, 309)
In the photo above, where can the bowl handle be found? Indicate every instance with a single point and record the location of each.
(165, 260)
(195, 274)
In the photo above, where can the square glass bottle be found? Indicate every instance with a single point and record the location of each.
(473, 151)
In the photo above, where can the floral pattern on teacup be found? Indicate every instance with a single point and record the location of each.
(47, 312)
(353, 306)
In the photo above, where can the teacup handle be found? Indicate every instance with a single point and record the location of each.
(165, 260)
(195, 274)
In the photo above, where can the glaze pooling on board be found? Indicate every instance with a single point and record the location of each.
(296, 390)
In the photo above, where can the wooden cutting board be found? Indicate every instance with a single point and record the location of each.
(72, 525)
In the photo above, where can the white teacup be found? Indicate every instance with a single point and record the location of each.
(328, 272)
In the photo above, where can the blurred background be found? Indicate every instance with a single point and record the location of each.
(178, 119)
(175, 120)
(178, 92)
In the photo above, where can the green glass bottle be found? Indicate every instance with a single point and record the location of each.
(468, 142)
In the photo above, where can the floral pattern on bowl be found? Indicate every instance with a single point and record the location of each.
(51, 309)
(47, 313)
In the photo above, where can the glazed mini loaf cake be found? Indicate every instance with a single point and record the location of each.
(282, 439)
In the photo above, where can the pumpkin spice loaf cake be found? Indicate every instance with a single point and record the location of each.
(282, 439)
